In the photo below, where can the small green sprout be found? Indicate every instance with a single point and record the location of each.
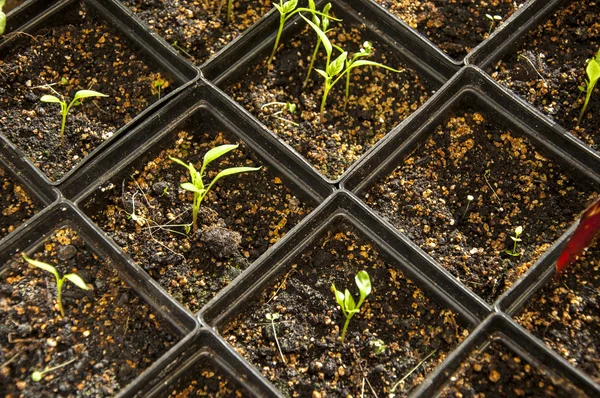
(516, 239)
(286, 11)
(346, 301)
(2, 17)
(273, 317)
(64, 108)
(323, 23)
(378, 346)
(493, 20)
(593, 75)
(287, 106)
(229, 9)
(158, 84)
(336, 69)
(196, 185)
(74, 278)
(37, 375)
(470, 198)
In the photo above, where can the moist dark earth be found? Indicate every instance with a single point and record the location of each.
(16, 205)
(511, 184)
(80, 52)
(455, 26)
(549, 64)
(198, 30)
(411, 325)
(111, 334)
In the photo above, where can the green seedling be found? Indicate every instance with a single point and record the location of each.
(288, 10)
(37, 375)
(341, 66)
(378, 346)
(323, 23)
(229, 10)
(493, 19)
(73, 278)
(196, 185)
(286, 106)
(273, 317)
(593, 75)
(346, 301)
(516, 239)
(469, 200)
(64, 108)
(158, 85)
(2, 17)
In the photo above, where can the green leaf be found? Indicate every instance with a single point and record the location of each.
(363, 281)
(322, 36)
(2, 3)
(322, 73)
(41, 265)
(279, 8)
(581, 88)
(339, 296)
(88, 93)
(217, 152)
(364, 62)
(2, 22)
(188, 186)
(349, 301)
(181, 162)
(335, 67)
(233, 170)
(50, 98)
(593, 71)
(289, 6)
(77, 281)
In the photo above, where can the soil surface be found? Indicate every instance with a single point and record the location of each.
(242, 216)
(550, 64)
(379, 99)
(412, 327)
(62, 60)
(207, 379)
(198, 30)
(15, 204)
(455, 26)
(499, 372)
(109, 331)
(566, 313)
(426, 198)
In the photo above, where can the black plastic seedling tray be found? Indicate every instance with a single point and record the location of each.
(35, 15)
(204, 359)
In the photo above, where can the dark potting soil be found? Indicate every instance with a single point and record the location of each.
(455, 26)
(242, 216)
(207, 379)
(412, 326)
(109, 331)
(16, 205)
(550, 64)
(499, 372)
(379, 99)
(426, 198)
(61, 61)
(566, 313)
(198, 30)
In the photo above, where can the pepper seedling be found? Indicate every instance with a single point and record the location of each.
(593, 75)
(37, 375)
(2, 17)
(73, 278)
(346, 301)
(323, 23)
(341, 66)
(273, 317)
(64, 108)
(516, 239)
(287, 106)
(493, 19)
(378, 346)
(196, 185)
(286, 11)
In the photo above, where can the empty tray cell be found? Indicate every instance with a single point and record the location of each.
(395, 339)
(548, 65)
(457, 26)
(500, 372)
(462, 195)
(198, 30)
(565, 313)
(107, 337)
